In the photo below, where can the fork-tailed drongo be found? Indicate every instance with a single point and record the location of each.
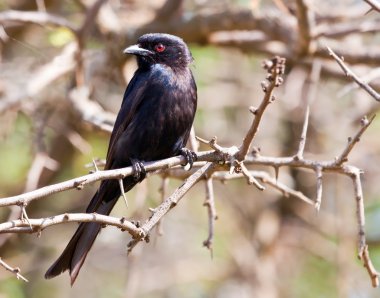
(153, 123)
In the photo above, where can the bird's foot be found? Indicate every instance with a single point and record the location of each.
(139, 172)
(190, 157)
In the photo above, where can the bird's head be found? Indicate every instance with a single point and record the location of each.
(154, 48)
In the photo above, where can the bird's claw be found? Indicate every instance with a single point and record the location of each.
(139, 172)
(190, 157)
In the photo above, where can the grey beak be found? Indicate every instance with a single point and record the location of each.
(137, 50)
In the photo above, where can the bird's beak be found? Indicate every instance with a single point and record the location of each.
(137, 50)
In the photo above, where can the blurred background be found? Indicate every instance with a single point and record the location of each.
(62, 77)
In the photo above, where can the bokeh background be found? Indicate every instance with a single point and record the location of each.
(265, 245)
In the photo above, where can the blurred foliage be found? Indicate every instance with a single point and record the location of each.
(16, 153)
(60, 37)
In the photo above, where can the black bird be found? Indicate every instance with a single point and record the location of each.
(153, 123)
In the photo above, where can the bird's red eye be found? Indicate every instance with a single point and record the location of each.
(159, 48)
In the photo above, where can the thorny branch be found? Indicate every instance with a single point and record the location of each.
(375, 5)
(276, 68)
(15, 271)
(170, 202)
(301, 147)
(38, 225)
(363, 253)
(350, 74)
(216, 165)
(163, 191)
(211, 211)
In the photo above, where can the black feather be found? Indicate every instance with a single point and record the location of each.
(153, 123)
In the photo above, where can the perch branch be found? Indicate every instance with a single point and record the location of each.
(78, 183)
(37, 225)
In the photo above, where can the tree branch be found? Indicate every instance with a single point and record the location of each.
(80, 182)
(375, 5)
(35, 17)
(15, 271)
(211, 212)
(350, 74)
(39, 224)
(171, 202)
(302, 143)
(363, 253)
(275, 68)
(305, 18)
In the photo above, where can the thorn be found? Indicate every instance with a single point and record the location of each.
(364, 121)
(79, 184)
(369, 10)
(24, 215)
(318, 200)
(256, 151)
(317, 206)
(276, 172)
(264, 86)
(123, 192)
(232, 169)
(202, 140)
(250, 179)
(208, 245)
(95, 165)
(253, 110)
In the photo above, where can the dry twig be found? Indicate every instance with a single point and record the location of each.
(363, 253)
(301, 146)
(171, 202)
(39, 224)
(375, 5)
(211, 211)
(15, 271)
(163, 191)
(349, 73)
(275, 68)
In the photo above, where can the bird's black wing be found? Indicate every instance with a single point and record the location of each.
(105, 198)
(132, 99)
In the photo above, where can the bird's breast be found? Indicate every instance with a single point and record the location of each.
(164, 118)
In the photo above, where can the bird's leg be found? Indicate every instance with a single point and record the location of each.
(190, 157)
(139, 172)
